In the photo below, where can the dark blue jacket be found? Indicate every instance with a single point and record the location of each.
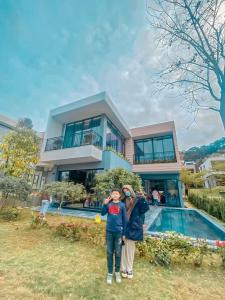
(134, 228)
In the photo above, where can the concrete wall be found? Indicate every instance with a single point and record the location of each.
(111, 161)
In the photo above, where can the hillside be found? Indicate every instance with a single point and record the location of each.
(197, 153)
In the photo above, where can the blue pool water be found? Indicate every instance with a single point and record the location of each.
(188, 222)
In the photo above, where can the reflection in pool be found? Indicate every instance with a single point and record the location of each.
(188, 222)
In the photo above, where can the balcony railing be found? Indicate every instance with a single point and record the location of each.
(88, 137)
(156, 157)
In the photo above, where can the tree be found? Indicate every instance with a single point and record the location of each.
(194, 31)
(191, 179)
(13, 188)
(118, 177)
(19, 153)
(63, 191)
(24, 123)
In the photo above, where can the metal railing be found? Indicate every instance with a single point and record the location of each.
(86, 137)
(156, 157)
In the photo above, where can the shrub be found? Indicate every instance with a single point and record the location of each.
(70, 231)
(13, 188)
(172, 249)
(95, 235)
(9, 214)
(221, 251)
(215, 206)
(155, 251)
(38, 222)
(90, 233)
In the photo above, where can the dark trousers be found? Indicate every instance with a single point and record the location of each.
(114, 246)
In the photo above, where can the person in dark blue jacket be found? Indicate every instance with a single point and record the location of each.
(136, 207)
(115, 231)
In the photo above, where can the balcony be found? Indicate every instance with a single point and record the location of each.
(88, 137)
(78, 148)
(156, 157)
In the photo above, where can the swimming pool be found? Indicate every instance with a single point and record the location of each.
(189, 222)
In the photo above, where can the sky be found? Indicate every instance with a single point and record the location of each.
(54, 52)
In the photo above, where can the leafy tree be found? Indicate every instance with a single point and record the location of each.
(19, 153)
(65, 191)
(118, 177)
(24, 123)
(194, 32)
(191, 179)
(13, 188)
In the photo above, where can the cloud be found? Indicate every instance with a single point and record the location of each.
(130, 83)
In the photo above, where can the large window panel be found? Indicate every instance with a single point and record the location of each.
(148, 149)
(69, 136)
(114, 138)
(168, 148)
(157, 149)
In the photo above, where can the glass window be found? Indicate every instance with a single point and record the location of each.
(79, 133)
(158, 148)
(64, 176)
(69, 136)
(148, 149)
(154, 149)
(114, 138)
(168, 144)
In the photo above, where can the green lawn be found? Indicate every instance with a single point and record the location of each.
(36, 265)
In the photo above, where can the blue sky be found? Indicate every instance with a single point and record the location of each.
(53, 52)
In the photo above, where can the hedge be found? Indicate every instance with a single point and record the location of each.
(215, 206)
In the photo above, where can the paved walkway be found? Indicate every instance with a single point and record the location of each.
(73, 212)
(149, 216)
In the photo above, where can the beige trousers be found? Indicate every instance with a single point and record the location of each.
(127, 257)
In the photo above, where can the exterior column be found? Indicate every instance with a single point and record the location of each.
(179, 183)
(104, 128)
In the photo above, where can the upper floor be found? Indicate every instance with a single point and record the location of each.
(154, 149)
(79, 132)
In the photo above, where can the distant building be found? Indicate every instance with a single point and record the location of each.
(214, 169)
(6, 125)
(190, 165)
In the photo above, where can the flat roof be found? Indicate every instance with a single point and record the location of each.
(7, 122)
(88, 107)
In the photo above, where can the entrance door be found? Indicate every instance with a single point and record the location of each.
(152, 184)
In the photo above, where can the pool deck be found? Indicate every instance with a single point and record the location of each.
(150, 216)
(72, 213)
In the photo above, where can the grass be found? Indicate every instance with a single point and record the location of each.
(36, 265)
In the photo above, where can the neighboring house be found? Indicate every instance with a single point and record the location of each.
(190, 165)
(80, 137)
(6, 125)
(214, 170)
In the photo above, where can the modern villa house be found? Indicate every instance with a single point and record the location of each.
(84, 137)
(214, 170)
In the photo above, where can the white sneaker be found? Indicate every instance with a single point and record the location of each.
(130, 275)
(124, 274)
(109, 278)
(118, 277)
